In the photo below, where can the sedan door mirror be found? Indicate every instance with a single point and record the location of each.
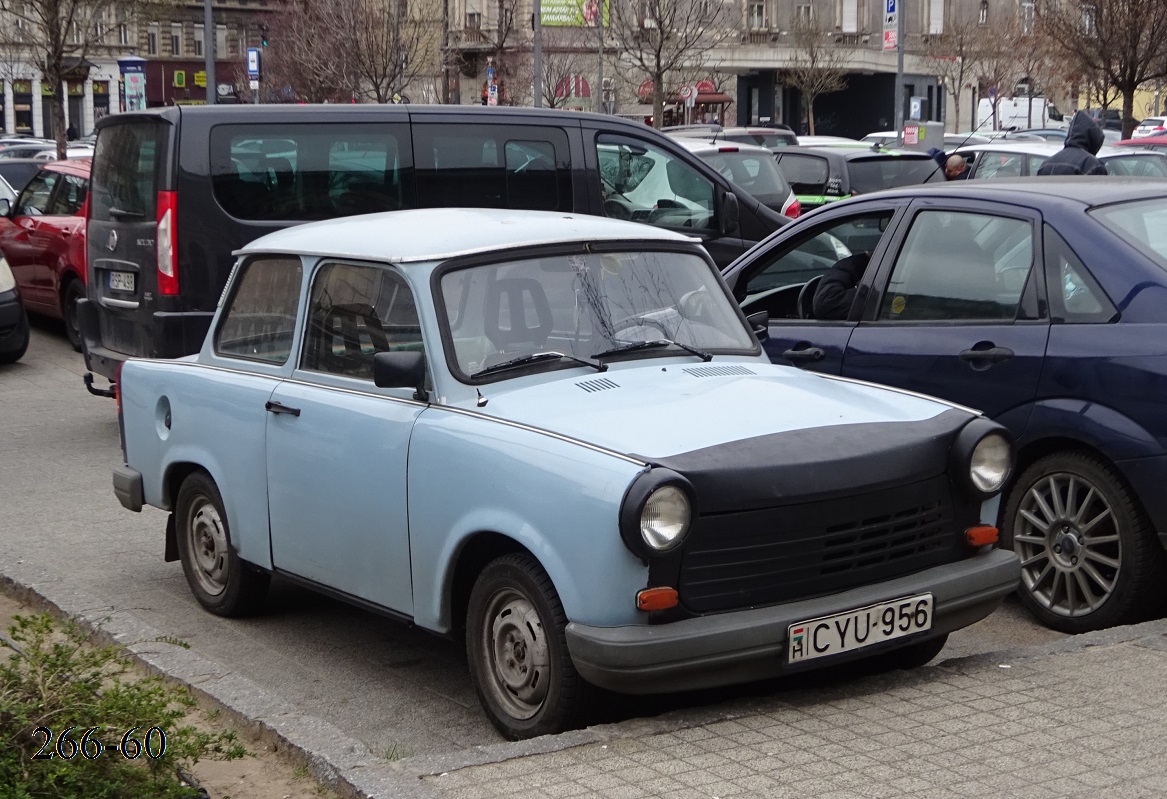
(729, 214)
(5, 207)
(402, 369)
(760, 323)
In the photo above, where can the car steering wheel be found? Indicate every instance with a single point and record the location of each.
(614, 209)
(805, 302)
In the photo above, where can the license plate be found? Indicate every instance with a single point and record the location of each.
(855, 629)
(121, 281)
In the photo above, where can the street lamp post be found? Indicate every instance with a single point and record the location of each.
(209, 40)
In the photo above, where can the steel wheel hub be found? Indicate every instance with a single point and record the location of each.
(1066, 535)
(517, 658)
(208, 548)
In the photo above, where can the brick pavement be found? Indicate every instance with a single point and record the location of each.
(1079, 721)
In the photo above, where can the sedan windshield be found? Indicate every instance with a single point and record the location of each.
(1143, 224)
(585, 306)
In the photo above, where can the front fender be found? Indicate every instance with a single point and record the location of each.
(470, 474)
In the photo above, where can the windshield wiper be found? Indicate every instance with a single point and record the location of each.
(645, 345)
(536, 357)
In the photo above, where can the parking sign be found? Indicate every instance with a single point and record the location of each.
(253, 62)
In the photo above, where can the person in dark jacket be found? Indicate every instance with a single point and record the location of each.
(954, 166)
(837, 287)
(1083, 141)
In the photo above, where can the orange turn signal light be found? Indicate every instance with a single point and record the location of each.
(656, 599)
(981, 536)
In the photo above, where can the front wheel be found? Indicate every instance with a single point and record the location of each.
(73, 292)
(517, 649)
(1089, 558)
(221, 581)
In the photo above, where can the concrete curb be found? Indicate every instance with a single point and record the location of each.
(347, 765)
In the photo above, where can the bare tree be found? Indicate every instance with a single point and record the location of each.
(560, 68)
(1123, 42)
(661, 37)
(818, 66)
(997, 59)
(953, 57)
(55, 37)
(311, 58)
(387, 39)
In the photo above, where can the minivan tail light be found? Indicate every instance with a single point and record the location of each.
(167, 242)
(794, 210)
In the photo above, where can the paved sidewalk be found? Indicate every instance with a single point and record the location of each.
(1083, 717)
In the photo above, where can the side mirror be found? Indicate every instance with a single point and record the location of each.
(729, 214)
(402, 369)
(5, 207)
(760, 323)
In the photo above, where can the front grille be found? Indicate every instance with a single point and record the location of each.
(762, 557)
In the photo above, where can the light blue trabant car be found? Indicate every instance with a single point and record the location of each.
(558, 436)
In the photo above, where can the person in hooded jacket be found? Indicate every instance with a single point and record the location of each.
(1083, 141)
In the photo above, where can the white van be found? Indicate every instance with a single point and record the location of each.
(1017, 112)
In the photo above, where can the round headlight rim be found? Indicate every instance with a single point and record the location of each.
(632, 508)
(687, 525)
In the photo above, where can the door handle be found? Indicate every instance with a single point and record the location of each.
(989, 354)
(808, 354)
(275, 407)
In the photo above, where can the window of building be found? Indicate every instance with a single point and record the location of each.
(1089, 13)
(757, 15)
(176, 40)
(935, 16)
(220, 40)
(848, 16)
(1028, 16)
(473, 20)
(200, 37)
(804, 13)
(152, 40)
(983, 14)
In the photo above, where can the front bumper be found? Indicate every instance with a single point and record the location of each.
(747, 645)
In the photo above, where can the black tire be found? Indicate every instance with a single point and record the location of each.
(221, 581)
(73, 292)
(517, 650)
(1097, 562)
(12, 356)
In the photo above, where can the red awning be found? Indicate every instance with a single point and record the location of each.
(711, 98)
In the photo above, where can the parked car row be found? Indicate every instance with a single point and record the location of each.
(1021, 159)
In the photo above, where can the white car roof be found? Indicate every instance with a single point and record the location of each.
(1038, 148)
(432, 234)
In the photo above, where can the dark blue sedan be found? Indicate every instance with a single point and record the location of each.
(1043, 303)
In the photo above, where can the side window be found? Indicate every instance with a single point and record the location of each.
(299, 173)
(354, 313)
(642, 182)
(807, 174)
(127, 169)
(260, 318)
(1000, 165)
(70, 196)
(814, 254)
(1074, 295)
(493, 166)
(959, 266)
(34, 200)
(1035, 162)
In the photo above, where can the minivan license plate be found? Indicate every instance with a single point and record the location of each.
(855, 629)
(121, 281)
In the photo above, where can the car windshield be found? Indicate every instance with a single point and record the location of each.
(889, 172)
(582, 305)
(1137, 165)
(773, 141)
(1142, 223)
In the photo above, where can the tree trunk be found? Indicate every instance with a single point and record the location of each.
(1128, 109)
(53, 78)
(810, 114)
(658, 100)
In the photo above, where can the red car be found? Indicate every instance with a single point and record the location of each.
(42, 237)
(1147, 143)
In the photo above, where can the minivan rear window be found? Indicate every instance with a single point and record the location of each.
(127, 168)
(309, 172)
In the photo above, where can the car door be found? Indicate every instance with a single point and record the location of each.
(24, 240)
(781, 280)
(957, 313)
(62, 231)
(337, 446)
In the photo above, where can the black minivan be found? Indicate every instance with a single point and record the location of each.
(175, 190)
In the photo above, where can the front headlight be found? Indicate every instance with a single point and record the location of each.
(7, 281)
(990, 463)
(665, 518)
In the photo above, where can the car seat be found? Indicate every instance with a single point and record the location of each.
(523, 325)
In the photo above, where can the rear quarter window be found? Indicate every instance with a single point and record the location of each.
(128, 166)
(873, 174)
(807, 174)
